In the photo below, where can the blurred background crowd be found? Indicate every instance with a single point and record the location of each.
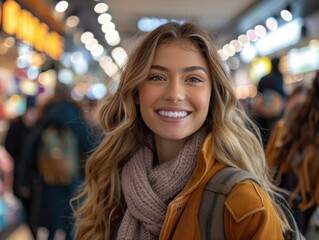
(59, 59)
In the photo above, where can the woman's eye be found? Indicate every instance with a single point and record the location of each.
(194, 80)
(156, 78)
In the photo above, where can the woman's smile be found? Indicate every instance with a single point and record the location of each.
(174, 114)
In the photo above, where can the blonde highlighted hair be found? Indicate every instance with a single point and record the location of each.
(235, 145)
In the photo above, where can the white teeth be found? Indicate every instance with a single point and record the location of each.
(172, 114)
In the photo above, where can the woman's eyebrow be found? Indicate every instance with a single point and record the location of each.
(161, 68)
(194, 68)
(187, 69)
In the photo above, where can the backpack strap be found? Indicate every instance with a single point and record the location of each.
(211, 212)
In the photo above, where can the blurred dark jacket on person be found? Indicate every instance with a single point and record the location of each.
(50, 203)
(16, 135)
(15, 138)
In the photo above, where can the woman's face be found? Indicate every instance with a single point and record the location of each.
(174, 99)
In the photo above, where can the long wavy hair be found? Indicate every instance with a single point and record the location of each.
(297, 150)
(235, 144)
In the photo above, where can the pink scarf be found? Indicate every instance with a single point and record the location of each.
(148, 189)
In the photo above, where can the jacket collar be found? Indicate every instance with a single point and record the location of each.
(205, 167)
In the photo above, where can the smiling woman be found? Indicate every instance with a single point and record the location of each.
(174, 99)
(172, 124)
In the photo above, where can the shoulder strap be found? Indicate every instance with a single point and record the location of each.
(211, 212)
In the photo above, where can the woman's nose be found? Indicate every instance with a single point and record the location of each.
(174, 91)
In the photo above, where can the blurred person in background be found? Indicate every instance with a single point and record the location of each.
(269, 104)
(293, 151)
(6, 170)
(15, 138)
(61, 136)
(294, 99)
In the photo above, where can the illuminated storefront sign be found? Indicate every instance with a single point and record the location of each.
(29, 29)
(303, 59)
(285, 36)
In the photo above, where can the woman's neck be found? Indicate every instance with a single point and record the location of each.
(167, 149)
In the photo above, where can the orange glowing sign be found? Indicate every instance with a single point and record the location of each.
(31, 30)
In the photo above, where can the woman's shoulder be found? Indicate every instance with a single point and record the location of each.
(245, 199)
(249, 214)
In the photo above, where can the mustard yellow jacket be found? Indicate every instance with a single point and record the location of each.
(248, 211)
(248, 214)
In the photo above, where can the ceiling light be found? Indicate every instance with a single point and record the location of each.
(61, 6)
(103, 18)
(286, 15)
(101, 8)
(91, 44)
(260, 31)
(243, 39)
(236, 45)
(86, 36)
(114, 42)
(107, 26)
(120, 56)
(223, 54)
(72, 21)
(97, 51)
(272, 24)
(229, 49)
(112, 36)
(252, 36)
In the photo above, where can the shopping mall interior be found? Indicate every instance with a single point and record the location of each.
(85, 44)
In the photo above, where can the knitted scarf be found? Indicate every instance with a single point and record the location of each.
(148, 189)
